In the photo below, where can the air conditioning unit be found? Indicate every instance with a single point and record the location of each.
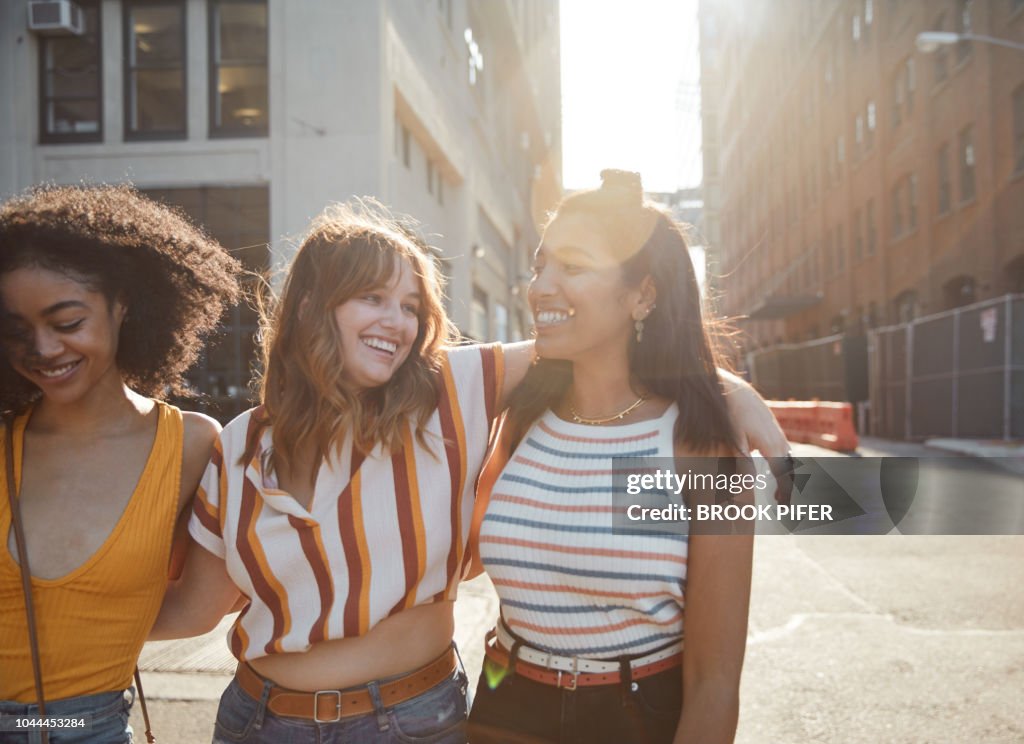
(55, 17)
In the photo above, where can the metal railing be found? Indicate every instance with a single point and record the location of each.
(958, 373)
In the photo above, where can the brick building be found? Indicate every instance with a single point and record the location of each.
(851, 180)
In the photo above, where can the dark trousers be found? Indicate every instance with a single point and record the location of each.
(510, 709)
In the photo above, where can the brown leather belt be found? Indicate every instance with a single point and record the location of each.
(327, 706)
(568, 680)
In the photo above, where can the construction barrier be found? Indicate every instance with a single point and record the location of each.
(822, 423)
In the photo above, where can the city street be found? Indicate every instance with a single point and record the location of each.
(852, 638)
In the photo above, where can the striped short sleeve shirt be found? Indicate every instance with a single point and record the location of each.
(384, 532)
(567, 584)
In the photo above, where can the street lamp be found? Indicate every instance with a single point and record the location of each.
(929, 41)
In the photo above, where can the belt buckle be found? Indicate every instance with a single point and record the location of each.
(316, 706)
(574, 676)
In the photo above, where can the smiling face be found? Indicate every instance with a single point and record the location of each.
(378, 327)
(581, 307)
(59, 333)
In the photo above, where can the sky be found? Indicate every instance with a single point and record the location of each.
(630, 91)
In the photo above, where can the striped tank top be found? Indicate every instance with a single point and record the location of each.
(566, 583)
(93, 621)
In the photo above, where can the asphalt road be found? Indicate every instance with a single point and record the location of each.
(852, 638)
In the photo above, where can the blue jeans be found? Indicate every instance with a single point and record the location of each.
(511, 708)
(437, 716)
(105, 714)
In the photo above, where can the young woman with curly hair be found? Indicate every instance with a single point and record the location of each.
(106, 298)
(340, 507)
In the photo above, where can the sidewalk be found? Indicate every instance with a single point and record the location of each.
(1008, 455)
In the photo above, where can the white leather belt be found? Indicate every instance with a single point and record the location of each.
(576, 664)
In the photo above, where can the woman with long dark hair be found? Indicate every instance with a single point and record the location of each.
(590, 638)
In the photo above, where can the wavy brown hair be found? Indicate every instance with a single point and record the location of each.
(174, 280)
(350, 248)
(679, 356)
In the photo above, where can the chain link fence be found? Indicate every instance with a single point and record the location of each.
(954, 374)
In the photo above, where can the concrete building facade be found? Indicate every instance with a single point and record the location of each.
(252, 115)
(851, 180)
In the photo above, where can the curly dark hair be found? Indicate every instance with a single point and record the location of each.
(174, 279)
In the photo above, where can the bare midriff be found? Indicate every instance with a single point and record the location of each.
(397, 645)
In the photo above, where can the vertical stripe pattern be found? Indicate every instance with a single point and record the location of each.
(384, 531)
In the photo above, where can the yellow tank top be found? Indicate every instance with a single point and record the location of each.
(93, 621)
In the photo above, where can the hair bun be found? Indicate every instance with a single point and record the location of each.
(625, 184)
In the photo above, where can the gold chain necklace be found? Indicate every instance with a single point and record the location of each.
(614, 417)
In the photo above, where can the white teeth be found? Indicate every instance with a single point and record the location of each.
(379, 343)
(57, 371)
(551, 317)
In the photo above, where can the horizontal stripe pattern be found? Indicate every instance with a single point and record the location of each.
(384, 531)
(567, 583)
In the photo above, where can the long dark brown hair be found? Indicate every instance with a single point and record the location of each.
(678, 358)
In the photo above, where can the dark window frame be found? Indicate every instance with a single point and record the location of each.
(1017, 104)
(213, 69)
(127, 69)
(51, 138)
(968, 170)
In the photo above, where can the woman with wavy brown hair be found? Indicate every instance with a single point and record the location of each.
(340, 507)
(106, 300)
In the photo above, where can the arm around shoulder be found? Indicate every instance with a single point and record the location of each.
(196, 602)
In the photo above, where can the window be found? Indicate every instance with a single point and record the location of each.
(872, 233)
(898, 95)
(911, 83)
(896, 210)
(840, 250)
(500, 322)
(858, 236)
(239, 218)
(939, 55)
(69, 77)
(238, 67)
(1018, 126)
(406, 146)
(942, 169)
(154, 39)
(967, 188)
(872, 122)
(903, 92)
(478, 318)
(912, 201)
(963, 26)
